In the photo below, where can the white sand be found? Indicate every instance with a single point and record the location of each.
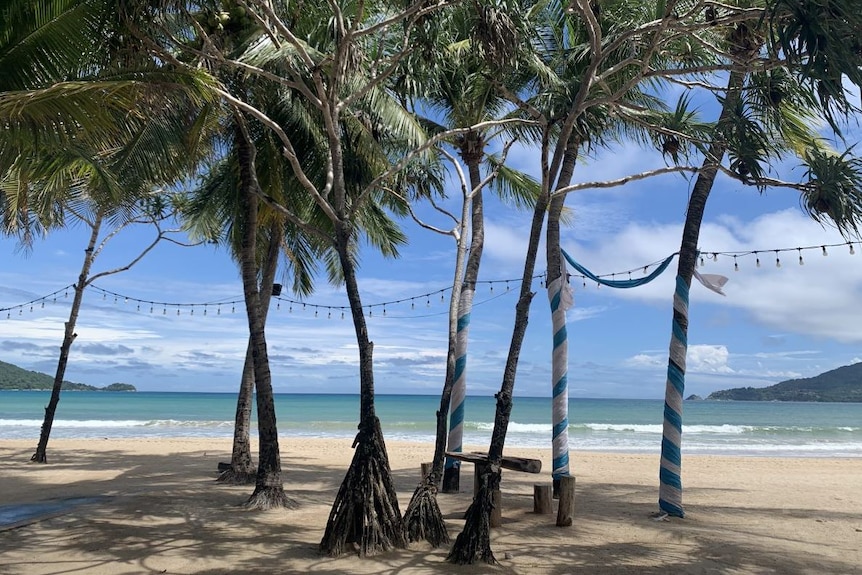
(166, 514)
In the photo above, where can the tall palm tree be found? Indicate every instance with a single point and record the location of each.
(324, 66)
(764, 115)
(559, 100)
(88, 132)
(459, 93)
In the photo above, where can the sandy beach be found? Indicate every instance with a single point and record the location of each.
(153, 506)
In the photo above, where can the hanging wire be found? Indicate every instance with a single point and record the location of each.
(152, 304)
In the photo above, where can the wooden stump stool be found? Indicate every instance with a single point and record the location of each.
(542, 499)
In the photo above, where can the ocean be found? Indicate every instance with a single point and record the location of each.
(620, 425)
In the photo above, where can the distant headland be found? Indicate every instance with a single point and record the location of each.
(843, 384)
(14, 378)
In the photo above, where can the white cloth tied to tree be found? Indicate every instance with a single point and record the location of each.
(712, 282)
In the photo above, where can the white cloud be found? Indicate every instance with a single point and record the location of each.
(708, 359)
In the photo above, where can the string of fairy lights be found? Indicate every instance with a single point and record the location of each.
(417, 303)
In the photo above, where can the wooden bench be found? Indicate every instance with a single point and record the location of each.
(480, 463)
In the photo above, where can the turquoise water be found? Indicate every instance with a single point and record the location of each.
(753, 428)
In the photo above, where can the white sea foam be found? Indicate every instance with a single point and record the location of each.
(113, 423)
(545, 428)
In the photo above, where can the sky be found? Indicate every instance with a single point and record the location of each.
(774, 323)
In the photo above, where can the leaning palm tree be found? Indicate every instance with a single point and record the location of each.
(578, 82)
(459, 93)
(764, 115)
(212, 213)
(325, 67)
(88, 133)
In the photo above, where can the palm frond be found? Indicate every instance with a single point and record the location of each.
(834, 191)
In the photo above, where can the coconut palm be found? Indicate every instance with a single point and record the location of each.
(88, 133)
(325, 66)
(764, 115)
(459, 95)
(562, 64)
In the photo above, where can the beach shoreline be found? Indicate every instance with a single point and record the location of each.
(152, 505)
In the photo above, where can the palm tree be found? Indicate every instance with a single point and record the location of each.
(572, 109)
(763, 115)
(89, 132)
(325, 69)
(461, 95)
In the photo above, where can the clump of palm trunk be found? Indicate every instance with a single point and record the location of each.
(365, 517)
(474, 542)
(423, 519)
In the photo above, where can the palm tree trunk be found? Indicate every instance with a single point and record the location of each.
(670, 483)
(69, 335)
(474, 542)
(452, 472)
(365, 514)
(560, 354)
(242, 469)
(423, 519)
(269, 489)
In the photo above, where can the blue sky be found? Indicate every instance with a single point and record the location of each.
(774, 323)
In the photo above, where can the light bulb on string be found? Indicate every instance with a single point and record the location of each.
(126, 300)
(43, 304)
(735, 264)
(507, 285)
(31, 309)
(714, 256)
(139, 307)
(852, 251)
(104, 296)
(777, 260)
(205, 309)
(192, 311)
(702, 263)
(232, 308)
(218, 310)
(492, 288)
(825, 253)
(164, 311)
(342, 314)
(178, 310)
(801, 261)
(443, 300)
(412, 305)
(290, 309)
(151, 309)
(115, 299)
(20, 311)
(384, 311)
(756, 259)
(329, 315)
(315, 312)
(66, 294)
(428, 302)
(277, 306)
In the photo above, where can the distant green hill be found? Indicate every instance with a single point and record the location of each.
(13, 377)
(843, 384)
